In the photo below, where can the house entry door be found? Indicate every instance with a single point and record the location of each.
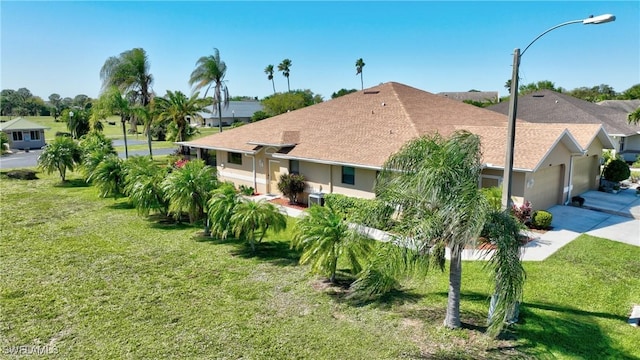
(274, 175)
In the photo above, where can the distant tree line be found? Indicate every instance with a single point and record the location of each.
(22, 102)
(592, 94)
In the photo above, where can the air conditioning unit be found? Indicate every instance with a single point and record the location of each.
(316, 199)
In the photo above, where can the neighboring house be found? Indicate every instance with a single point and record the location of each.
(341, 144)
(241, 111)
(480, 96)
(627, 106)
(24, 134)
(631, 144)
(548, 106)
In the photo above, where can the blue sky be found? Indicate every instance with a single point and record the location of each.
(60, 47)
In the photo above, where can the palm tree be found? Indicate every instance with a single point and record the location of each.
(269, 71)
(507, 272)
(95, 147)
(434, 181)
(220, 208)
(325, 237)
(143, 179)
(78, 122)
(188, 189)
(108, 176)
(112, 101)
(60, 155)
(507, 85)
(174, 108)
(146, 114)
(359, 65)
(128, 72)
(634, 117)
(250, 217)
(285, 66)
(210, 70)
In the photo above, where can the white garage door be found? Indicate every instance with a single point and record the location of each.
(547, 188)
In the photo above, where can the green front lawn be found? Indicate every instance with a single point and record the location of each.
(91, 278)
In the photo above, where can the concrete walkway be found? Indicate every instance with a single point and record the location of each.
(609, 216)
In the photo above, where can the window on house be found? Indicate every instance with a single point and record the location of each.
(234, 158)
(621, 143)
(35, 135)
(294, 166)
(348, 175)
(17, 136)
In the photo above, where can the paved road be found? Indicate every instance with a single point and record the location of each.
(21, 159)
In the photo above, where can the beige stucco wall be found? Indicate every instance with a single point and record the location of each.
(517, 182)
(319, 177)
(363, 187)
(328, 179)
(242, 174)
(559, 156)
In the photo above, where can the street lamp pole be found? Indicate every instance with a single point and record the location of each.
(513, 105)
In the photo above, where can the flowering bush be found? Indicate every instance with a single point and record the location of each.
(180, 163)
(522, 212)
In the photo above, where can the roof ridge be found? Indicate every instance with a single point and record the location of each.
(404, 108)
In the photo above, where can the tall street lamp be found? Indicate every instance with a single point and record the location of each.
(513, 104)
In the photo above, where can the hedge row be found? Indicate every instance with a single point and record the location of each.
(368, 212)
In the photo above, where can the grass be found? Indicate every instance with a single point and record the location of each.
(94, 280)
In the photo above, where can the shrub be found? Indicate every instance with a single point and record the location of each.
(369, 212)
(291, 185)
(541, 219)
(246, 190)
(636, 164)
(494, 197)
(4, 142)
(635, 176)
(616, 170)
(522, 212)
(608, 156)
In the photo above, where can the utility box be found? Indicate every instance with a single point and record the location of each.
(316, 199)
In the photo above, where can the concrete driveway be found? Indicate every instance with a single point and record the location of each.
(575, 221)
(610, 216)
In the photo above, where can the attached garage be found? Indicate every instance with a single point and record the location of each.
(547, 188)
(585, 174)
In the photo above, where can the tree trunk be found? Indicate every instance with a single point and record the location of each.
(452, 319)
(219, 115)
(124, 133)
(149, 142)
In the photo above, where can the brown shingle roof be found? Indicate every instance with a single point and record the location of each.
(364, 128)
(532, 145)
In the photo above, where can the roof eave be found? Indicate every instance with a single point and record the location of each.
(326, 162)
(185, 143)
(270, 144)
